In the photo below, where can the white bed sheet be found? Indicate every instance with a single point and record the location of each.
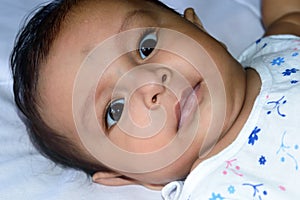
(24, 174)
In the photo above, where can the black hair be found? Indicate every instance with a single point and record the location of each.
(30, 51)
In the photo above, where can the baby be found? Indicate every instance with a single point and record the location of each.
(131, 92)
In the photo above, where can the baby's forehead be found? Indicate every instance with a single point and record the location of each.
(108, 16)
(117, 5)
(105, 10)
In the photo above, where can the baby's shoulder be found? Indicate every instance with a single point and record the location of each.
(276, 59)
(268, 46)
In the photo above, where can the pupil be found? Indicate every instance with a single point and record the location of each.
(115, 111)
(148, 47)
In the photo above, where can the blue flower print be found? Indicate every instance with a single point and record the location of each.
(262, 160)
(258, 41)
(216, 197)
(278, 61)
(277, 105)
(231, 189)
(253, 136)
(256, 192)
(288, 72)
(294, 81)
(295, 54)
(287, 151)
(264, 45)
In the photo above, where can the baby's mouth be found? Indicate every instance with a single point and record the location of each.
(186, 106)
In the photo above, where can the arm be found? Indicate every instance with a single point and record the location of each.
(281, 16)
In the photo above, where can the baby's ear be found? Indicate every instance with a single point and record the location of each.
(116, 179)
(191, 16)
(112, 179)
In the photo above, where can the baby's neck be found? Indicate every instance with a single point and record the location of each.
(253, 85)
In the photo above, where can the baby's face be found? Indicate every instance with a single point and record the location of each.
(139, 88)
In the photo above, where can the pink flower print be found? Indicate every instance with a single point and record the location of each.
(232, 167)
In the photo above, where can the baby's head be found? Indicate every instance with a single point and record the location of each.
(165, 83)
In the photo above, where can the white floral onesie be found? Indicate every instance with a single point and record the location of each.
(263, 162)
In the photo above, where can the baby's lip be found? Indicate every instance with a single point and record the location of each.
(184, 107)
(178, 113)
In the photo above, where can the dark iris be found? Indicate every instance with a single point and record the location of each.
(147, 44)
(147, 47)
(115, 111)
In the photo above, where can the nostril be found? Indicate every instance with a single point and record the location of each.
(164, 74)
(164, 78)
(154, 98)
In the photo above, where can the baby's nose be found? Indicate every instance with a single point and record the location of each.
(153, 83)
(146, 93)
(150, 94)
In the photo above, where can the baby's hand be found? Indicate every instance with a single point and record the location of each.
(281, 16)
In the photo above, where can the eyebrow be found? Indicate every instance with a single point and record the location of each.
(131, 16)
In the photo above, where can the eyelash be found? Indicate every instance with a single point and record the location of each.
(143, 34)
(104, 115)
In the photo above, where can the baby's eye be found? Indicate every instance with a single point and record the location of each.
(114, 112)
(147, 44)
